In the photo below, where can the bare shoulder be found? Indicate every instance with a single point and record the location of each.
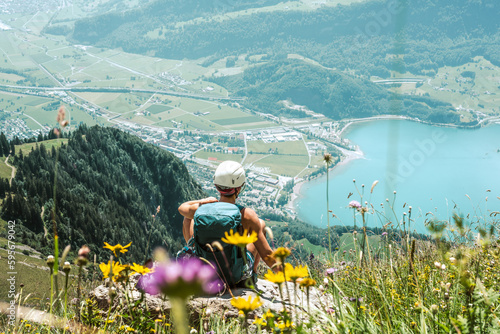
(250, 219)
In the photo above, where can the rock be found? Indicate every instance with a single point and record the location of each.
(205, 305)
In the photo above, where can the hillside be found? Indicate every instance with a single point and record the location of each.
(372, 37)
(109, 184)
(329, 92)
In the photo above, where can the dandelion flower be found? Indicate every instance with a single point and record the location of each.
(140, 269)
(277, 278)
(246, 305)
(240, 240)
(106, 269)
(117, 248)
(307, 282)
(281, 253)
(293, 273)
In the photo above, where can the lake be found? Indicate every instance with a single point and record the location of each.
(435, 170)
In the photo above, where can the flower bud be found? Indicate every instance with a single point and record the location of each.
(81, 261)
(112, 292)
(84, 251)
(50, 261)
(434, 308)
(66, 267)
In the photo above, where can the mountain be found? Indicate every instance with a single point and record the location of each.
(329, 92)
(109, 184)
(371, 37)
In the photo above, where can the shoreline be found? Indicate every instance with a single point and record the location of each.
(348, 156)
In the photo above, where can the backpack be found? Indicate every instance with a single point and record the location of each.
(211, 221)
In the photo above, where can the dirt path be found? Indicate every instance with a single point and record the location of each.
(13, 170)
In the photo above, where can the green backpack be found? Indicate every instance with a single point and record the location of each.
(211, 221)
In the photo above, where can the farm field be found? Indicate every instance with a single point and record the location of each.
(449, 85)
(218, 155)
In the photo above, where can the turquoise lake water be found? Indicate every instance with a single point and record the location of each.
(433, 169)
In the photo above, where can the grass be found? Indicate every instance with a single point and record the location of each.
(218, 155)
(26, 148)
(28, 270)
(5, 171)
(471, 94)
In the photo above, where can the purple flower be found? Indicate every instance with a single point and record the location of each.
(331, 271)
(342, 263)
(354, 204)
(384, 233)
(181, 279)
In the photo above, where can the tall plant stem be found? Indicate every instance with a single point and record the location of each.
(180, 315)
(328, 212)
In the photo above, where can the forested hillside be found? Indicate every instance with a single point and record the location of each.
(109, 184)
(372, 37)
(329, 92)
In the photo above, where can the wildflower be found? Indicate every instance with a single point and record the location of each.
(331, 271)
(66, 267)
(280, 254)
(140, 269)
(240, 240)
(307, 282)
(181, 279)
(327, 158)
(434, 308)
(437, 265)
(294, 273)
(61, 115)
(246, 305)
(325, 281)
(354, 205)
(277, 278)
(117, 248)
(83, 256)
(283, 326)
(260, 321)
(384, 234)
(84, 251)
(50, 261)
(343, 262)
(106, 268)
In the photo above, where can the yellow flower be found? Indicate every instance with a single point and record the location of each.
(277, 278)
(247, 305)
(286, 325)
(307, 282)
(140, 269)
(293, 273)
(281, 253)
(117, 248)
(105, 268)
(260, 321)
(240, 240)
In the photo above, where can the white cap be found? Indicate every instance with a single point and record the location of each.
(229, 174)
